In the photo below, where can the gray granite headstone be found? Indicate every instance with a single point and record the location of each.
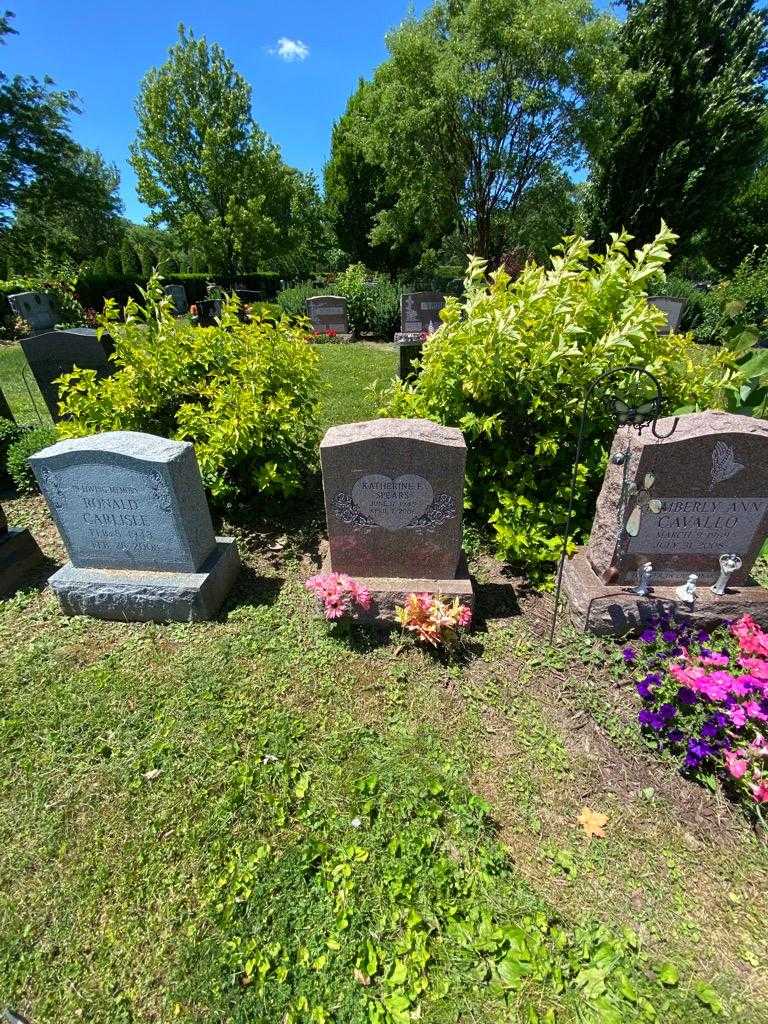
(36, 308)
(394, 493)
(329, 313)
(134, 519)
(678, 493)
(178, 295)
(54, 353)
(420, 311)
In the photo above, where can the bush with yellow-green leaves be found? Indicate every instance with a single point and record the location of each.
(245, 394)
(510, 365)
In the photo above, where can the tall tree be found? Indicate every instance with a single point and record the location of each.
(71, 215)
(690, 130)
(203, 165)
(34, 130)
(476, 102)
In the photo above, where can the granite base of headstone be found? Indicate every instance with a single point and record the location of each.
(408, 352)
(19, 555)
(419, 317)
(679, 495)
(394, 492)
(132, 513)
(329, 317)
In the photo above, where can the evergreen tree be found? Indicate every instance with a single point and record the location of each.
(690, 132)
(129, 260)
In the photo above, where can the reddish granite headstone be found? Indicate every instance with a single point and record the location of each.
(678, 493)
(394, 493)
(702, 490)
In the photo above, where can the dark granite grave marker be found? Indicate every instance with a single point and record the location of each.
(329, 313)
(19, 554)
(55, 353)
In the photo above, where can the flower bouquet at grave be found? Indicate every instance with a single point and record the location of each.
(705, 699)
(434, 620)
(338, 594)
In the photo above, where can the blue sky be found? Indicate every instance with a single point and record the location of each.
(300, 87)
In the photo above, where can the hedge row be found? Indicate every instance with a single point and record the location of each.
(93, 289)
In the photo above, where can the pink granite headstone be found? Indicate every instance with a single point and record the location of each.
(679, 493)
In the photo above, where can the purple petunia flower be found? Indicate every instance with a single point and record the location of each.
(676, 736)
(699, 749)
(667, 712)
(629, 655)
(703, 637)
(685, 695)
(645, 717)
(648, 636)
(669, 636)
(644, 690)
(710, 730)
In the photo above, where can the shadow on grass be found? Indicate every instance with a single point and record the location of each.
(253, 590)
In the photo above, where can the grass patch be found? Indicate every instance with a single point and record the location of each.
(354, 374)
(25, 409)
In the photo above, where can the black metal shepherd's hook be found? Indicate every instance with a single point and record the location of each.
(625, 415)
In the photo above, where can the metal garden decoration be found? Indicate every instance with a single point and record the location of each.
(641, 402)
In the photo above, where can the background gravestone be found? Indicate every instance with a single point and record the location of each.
(54, 353)
(672, 310)
(178, 294)
(36, 308)
(419, 314)
(329, 313)
(51, 353)
(19, 554)
(679, 493)
(420, 311)
(5, 409)
(133, 516)
(394, 492)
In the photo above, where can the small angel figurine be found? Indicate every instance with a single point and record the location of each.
(687, 592)
(729, 564)
(643, 587)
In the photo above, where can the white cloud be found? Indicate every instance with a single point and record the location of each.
(290, 49)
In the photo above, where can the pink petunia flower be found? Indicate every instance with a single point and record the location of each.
(760, 791)
(736, 763)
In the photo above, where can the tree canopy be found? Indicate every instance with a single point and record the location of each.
(205, 167)
(689, 129)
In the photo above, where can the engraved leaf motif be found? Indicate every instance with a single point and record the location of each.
(655, 506)
(724, 464)
(649, 481)
(633, 523)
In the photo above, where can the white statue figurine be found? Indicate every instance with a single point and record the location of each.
(643, 587)
(729, 564)
(687, 592)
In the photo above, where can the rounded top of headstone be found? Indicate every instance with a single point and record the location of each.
(699, 424)
(388, 429)
(132, 443)
(327, 298)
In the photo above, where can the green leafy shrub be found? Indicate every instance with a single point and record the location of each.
(373, 301)
(244, 394)
(293, 300)
(9, 432)
(27, 444)
(748, 288)
(510, 366)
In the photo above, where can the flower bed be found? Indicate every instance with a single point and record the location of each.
(706, 699)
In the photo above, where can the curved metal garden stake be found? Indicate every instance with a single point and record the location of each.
(625, 415)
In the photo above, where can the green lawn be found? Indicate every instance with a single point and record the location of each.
(262, 819)
(354, 375)
(22, 394)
